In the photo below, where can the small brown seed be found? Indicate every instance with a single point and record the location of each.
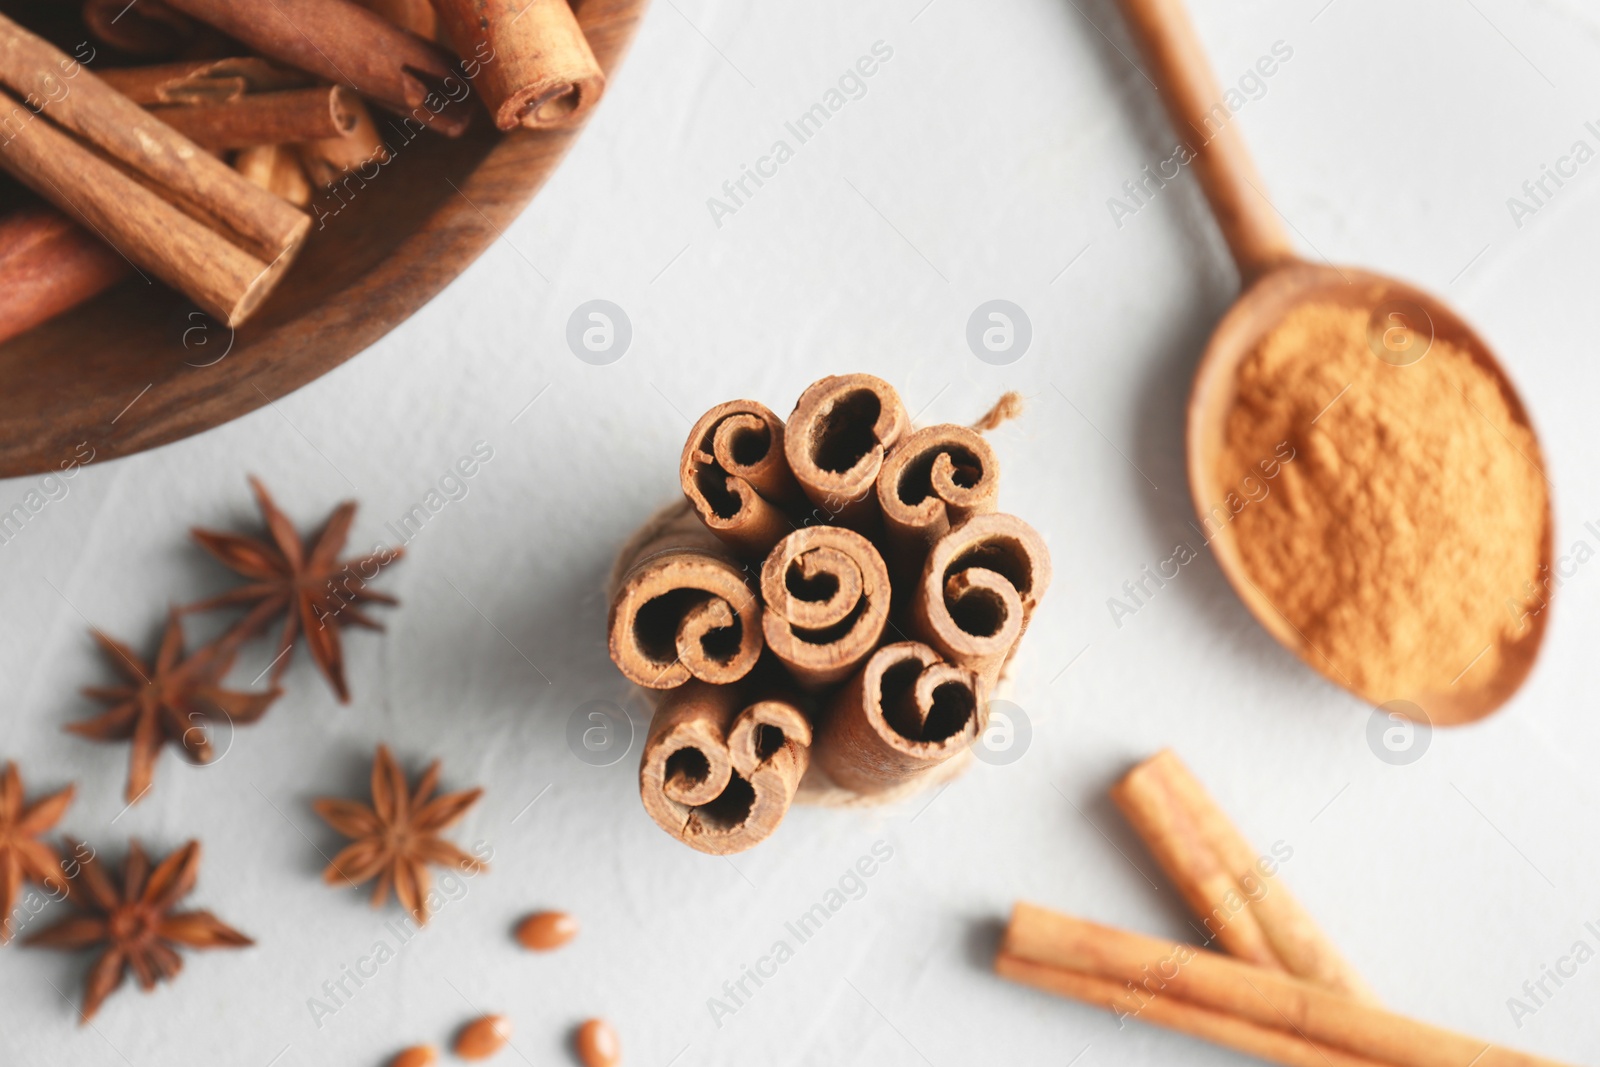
(416, 1056)
(598, 1045)
(482, 1038)
(546, 930)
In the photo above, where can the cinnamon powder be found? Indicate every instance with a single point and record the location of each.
(1403, 539)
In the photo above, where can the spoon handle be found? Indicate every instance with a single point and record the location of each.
(1194, 102)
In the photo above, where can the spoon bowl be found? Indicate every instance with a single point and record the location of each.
(1277, 281)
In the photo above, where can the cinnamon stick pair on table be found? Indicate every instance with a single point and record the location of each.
(148, 183)
(841, 565)
(1285, 994)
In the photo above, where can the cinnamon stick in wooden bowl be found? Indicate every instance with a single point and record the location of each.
(290, 116)
(47, 265)
(903, 715)
(719, 771)
(680, 607)
(202, 81)
(734, 473)
(826, 594)
(538, 70)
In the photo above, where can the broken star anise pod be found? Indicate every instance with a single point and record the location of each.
(23, 857)
(312, 589)
(397, 837)
(135, 922)
(172, 699)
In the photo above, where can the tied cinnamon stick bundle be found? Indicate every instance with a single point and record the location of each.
(1240, 900)
(286, 117)
(903, 715)
(735, 475)
(48, 265)
(932, 480)
(827, 594)
(202, 81)
(1140, 977)
(681, 608)
(978, 589)
(836, 440)
(543, 74)
(719, 773)
(342, 42)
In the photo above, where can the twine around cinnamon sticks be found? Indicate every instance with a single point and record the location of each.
(826, 614)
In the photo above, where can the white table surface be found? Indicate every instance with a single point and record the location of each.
(977, 165)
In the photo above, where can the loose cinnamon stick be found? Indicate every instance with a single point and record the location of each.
(932, 480)
(827, 594)
(286, 117)
(836, 441)
(417, 16)
(1274, 1046)
(719, 772)
(223, 279)
(1149, 969)
(202, 81)
(76, 99)
(978, 590)
(681, 608)
(328, 160)
(342, 42)
(902, 715)
(275, 168)
(734, 473)
(543, 74)
(48, 265)
(1234, 891)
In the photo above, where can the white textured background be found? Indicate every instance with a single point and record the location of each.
(977, 165)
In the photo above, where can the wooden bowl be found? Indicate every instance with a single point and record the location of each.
(138, 367)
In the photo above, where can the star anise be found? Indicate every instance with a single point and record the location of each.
(172, 699)
(22, 856)
(313, 590)
(135, 922)
(398, 836)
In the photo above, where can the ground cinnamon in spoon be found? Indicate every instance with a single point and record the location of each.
(1402, 538)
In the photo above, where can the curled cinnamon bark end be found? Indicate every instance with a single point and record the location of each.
(537, 69)
(979, 587)
(734, 472)
(933, 480)
(827, 596)
(682, 610)
(904, 714)
(836, 441)
(719, 774)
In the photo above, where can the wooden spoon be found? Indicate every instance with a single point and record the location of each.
(1276, 281)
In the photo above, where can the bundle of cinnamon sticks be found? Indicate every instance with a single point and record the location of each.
(826, 613)
(193, 170)
(1282, 993)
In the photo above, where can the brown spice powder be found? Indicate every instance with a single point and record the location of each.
(1402, 538)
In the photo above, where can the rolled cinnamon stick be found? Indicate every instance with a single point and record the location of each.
(543, 75)
(149, 28)
(1233, 890)
(328, 160)
(734, 473)
(76, 99)
(1274, 1046)
(286, 117)
(202, 81)
(978, 589)
(1149, 969)
(417, 16)
(275, 168)
(681, 608)
(48, 265)
(827, 594)
(836, 441)
(342, 42)
(223, 279)
(902, 715)
(932, 480)
(719, 772)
